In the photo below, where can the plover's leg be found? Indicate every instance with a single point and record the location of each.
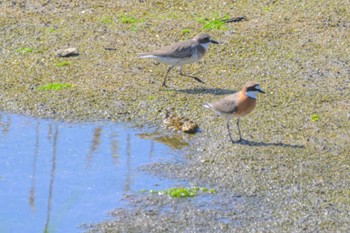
(239, 131)
(180, 71)
(190, 76)
(229, 132)
(166, 75)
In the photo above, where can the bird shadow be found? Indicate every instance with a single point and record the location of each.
(262, 144)
(191, 76)
(213, 91)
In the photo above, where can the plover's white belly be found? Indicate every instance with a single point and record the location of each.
(177, 61)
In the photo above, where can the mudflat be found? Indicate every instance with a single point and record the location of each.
(292, 174)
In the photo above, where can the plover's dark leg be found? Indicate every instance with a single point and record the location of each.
(239, 131)
(166, 75)
(229, 132)
(190, 76)
(180, 71)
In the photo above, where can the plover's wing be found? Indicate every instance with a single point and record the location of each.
(183, 49)
(226, 105)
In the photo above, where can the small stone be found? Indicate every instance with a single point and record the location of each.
(172, 121)
(189, 127)
(70, 52)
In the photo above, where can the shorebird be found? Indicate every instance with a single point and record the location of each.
(180, 53)
(237, 105)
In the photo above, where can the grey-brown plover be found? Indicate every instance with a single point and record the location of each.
(180, 53)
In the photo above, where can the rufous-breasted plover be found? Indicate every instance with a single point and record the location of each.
(237, 105)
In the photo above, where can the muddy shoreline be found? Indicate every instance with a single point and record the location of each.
(293, 176)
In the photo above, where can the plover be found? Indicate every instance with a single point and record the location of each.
(180, 53)
(237, 105)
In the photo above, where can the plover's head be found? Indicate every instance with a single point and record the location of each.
(251, 89)
(204, 39)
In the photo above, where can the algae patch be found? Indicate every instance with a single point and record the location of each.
(186, 31)
(24, 50)
(54, 86)
(106, 20)
(182, 192)
(216, 22)
(63, 63)
(314, 118)
(127, 19)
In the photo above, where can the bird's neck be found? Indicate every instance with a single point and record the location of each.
(205, 46)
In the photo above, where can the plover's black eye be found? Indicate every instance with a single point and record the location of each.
(205, 40)
(251, 88)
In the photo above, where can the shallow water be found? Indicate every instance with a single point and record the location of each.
(55, 176)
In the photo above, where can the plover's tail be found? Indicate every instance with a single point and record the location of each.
(207, 105)
(145, 55)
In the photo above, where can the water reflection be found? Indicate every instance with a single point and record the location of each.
(56, 176)
(174, 141)
(52, 178)
(35, 157)
(94, 144)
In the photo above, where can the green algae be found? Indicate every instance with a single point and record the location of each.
(179, 192)
(106, 20)
(182, 192)
(127, 19)
(314, 118)
(186, 31)
(63, 63)
(54, 86)
(24, 50)
(214, 23)
(51, 29)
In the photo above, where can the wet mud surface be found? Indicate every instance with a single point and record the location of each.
(292, 175)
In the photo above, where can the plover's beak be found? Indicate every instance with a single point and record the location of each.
(214, 42)
(257, 88)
